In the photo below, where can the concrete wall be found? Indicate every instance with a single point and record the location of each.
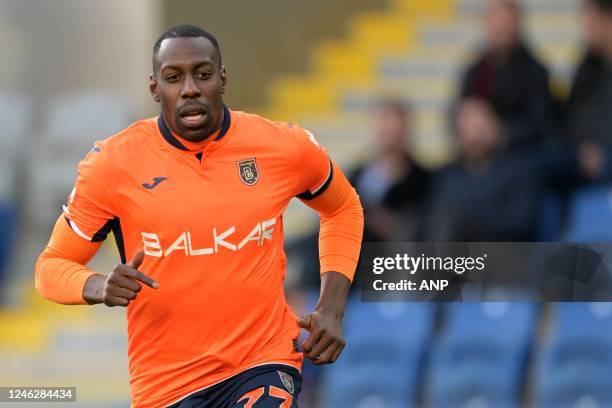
(51, 47)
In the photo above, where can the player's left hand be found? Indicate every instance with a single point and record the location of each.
(325, 341)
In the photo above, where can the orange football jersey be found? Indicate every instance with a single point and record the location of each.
(210, 221)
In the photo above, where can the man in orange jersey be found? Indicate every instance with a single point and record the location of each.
(195, 199)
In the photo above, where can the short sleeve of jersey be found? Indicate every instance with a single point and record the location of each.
(90, 210)
(313, 166)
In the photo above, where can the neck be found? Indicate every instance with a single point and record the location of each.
(396, 162)
(503, 52)
(479, 163)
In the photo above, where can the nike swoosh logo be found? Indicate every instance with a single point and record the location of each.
(156, 181)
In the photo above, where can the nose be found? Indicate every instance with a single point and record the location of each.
(189, 88)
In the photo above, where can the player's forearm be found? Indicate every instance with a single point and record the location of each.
(339, 245)
(340, 239)
(334, 291)
(61, 280)
(60, 272)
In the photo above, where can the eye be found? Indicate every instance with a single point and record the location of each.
(171, 78)
(204, 75)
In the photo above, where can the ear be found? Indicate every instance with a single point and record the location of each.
(223, 75)
(153, 87)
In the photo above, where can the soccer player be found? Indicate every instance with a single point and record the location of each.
(195, 199)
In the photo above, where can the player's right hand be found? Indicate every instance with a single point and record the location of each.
(122, 285)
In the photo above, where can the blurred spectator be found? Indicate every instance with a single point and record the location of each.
(510, 78)
(491, 194)
(590, 102)
(392, 187)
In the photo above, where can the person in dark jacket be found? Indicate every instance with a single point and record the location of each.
(391, 185)
(589, 118)
(508, 76)
(493, 194)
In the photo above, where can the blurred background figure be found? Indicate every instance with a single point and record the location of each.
(391, 185)
(510, 78)
(588, 107)
(493, 194)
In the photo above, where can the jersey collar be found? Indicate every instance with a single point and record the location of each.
(167, 134)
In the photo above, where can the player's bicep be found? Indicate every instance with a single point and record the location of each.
(341, 225)
(66, 244)
(336, 195)
(314, 170)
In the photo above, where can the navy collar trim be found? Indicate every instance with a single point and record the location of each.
(163, 128)
(227, 121)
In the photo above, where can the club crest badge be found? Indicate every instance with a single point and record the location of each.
(287, 381)
(248, 172)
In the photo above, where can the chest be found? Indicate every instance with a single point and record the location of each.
(227, 199)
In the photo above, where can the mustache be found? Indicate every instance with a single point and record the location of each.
(192, 107)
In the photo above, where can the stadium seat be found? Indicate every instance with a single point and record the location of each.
(8, 223)
(381, 365)
(550, 220)
(481, 355)
(574, 367)
(591, 215)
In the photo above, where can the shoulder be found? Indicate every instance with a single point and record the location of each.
(478, 60)
(137, 133)
(355, 174)
(127, 145)
(591, 64)
(526, 55)
(450, 173)
(119, 148)
(266, 132)
(419, 174)
(254, 122)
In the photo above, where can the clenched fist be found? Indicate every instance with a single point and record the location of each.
(325, 342)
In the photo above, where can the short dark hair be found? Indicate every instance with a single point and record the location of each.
(513, 5)
(398, 106)
(603, 5)
(185, 30)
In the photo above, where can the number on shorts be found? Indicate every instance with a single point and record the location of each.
(280, 393)
(252, 396)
